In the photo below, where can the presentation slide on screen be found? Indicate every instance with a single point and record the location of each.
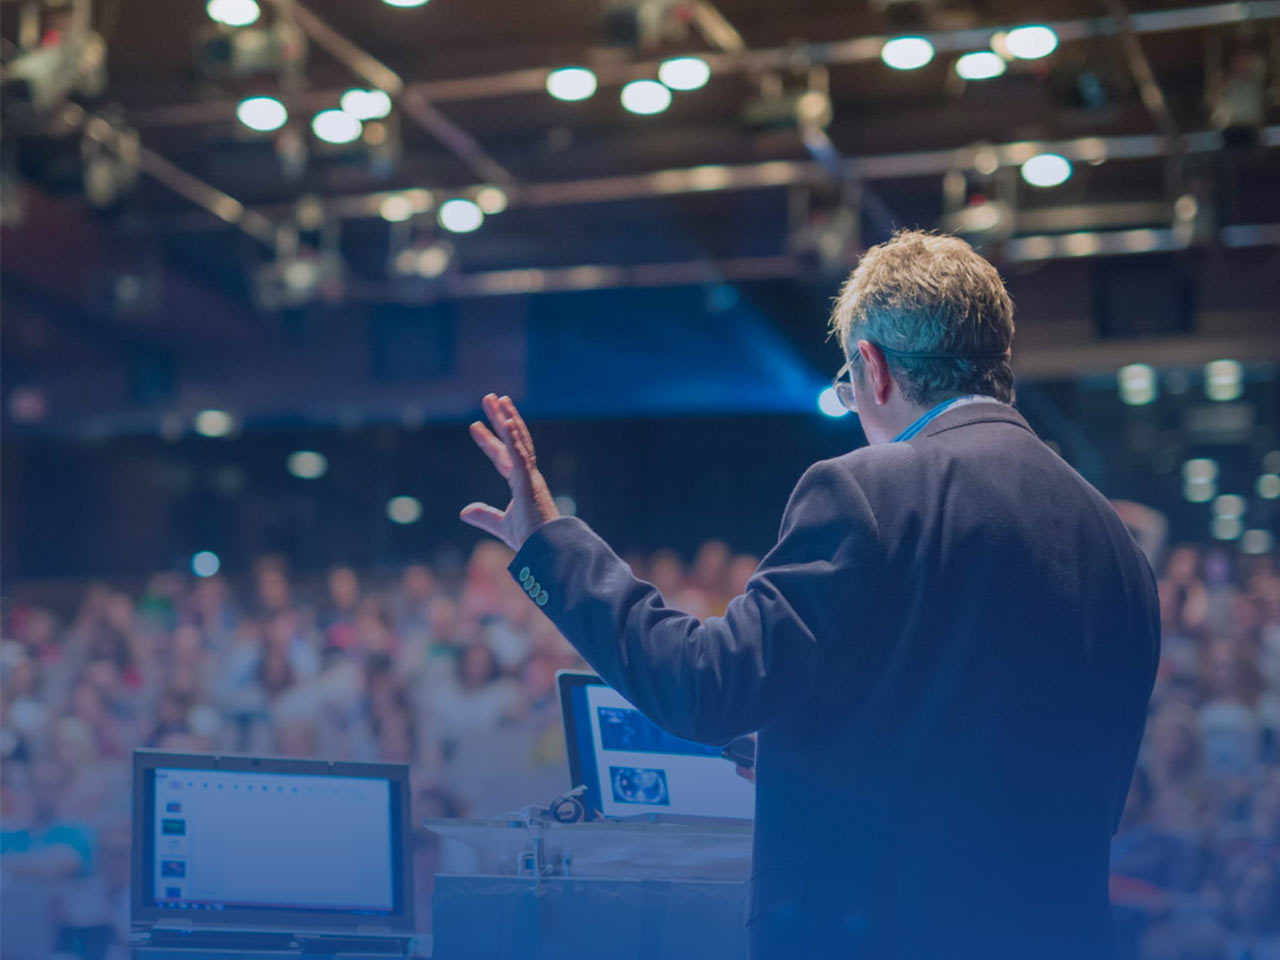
(644, 769)
(233, 839)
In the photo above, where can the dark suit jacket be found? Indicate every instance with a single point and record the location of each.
(948, 655)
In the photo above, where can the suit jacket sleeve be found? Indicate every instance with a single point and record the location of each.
(716, 679)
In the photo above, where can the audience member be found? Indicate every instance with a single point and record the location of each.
(422, 666)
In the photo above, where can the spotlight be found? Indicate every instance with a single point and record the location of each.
(233, 13)
(404, 510)
(1046, 170)
(426, 262)
(979, 65)
(404, 3)
(906, 53)
(1269, 486)
(1201, 491)
(278, 48)
(293, 280)
(1223, 379)
(262, 113)
(396, 208)
(213, 423)
(1199, 480)
(491, 199)
(307, 464)
(1256, 541)
(205, 563)
(571, 83)
(432, 261)
(1226, 528)
(366, 104)
(567, 506)
(684, 73)
(1031, 43)
(1137, 384)
(830, 404)
(1200, 470)
(1229, 505)
(335, 126)
(645, 97)
(1271, 461)
(460, 216)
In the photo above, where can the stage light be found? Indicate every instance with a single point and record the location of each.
(1046, 170)
(262, 113)
(300, 274)
(571, 83)
(1223, 379)
(684, 73)
(1199, 480)
(460, 216)
(307, 464)
(1226, 528)
(205, 563)
(1199, 491)
(1256, 541)
(1229, 505)
(491, 199)
(645, 97)
(906, 53)
(1031, 43)
(214, 423)
(567, 506)
(1271, 461)
(426, 262)
(233, 13)
(404, 3)
(335, 126)
(432, 261)
(979, 65)
(404, 510)
(1137, 384)
(396, 208)
(1269, 486)
(366, 104)
(830, 404)
(1200, 469)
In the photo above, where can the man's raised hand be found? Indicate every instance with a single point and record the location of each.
(509, 446)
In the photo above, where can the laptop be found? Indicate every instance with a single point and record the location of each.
(631, 767)
(272, 854)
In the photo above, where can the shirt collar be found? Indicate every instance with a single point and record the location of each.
(945, 405)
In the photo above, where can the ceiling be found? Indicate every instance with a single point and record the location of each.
(602, 198)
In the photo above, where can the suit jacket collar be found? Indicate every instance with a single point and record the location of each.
(970, 413)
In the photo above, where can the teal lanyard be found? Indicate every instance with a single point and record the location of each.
(920, 424)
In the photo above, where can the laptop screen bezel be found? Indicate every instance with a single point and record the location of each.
(566, 682)
(145, 911)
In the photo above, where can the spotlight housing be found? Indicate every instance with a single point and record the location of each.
(906, 53)
(571, 83)
(263, 114)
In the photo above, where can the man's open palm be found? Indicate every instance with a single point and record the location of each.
(510, 447)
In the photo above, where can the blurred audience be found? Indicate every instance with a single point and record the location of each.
(421, 665)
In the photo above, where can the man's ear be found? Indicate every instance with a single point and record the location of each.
(878, 369)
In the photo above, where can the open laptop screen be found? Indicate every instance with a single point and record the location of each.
(631, 766)
(270, 842)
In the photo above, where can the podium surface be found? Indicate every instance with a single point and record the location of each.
(626, 890)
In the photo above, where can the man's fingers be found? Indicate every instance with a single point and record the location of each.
(521, 438)
(497, 419)
(493, 448)
(483, 516)
(514, 436)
